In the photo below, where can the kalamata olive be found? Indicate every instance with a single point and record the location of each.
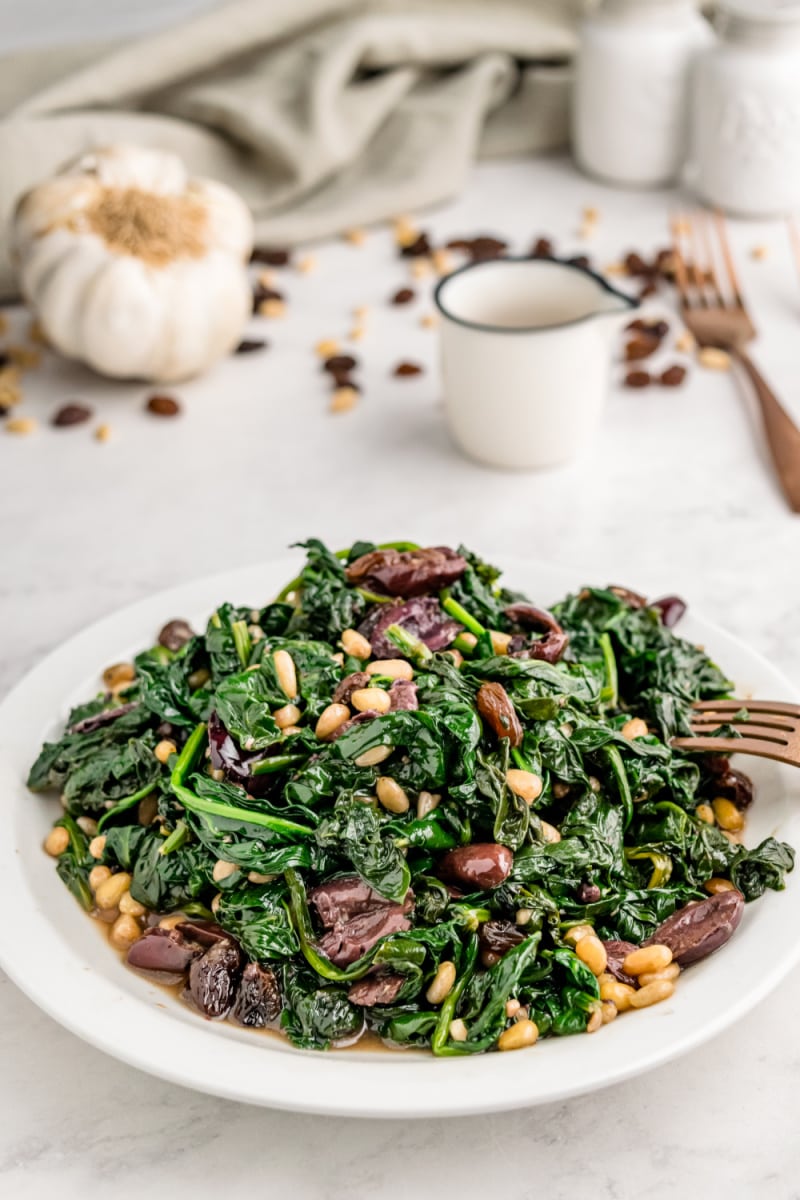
(347, 942)
(407, 572)
(205, 932)
(588, 893)
(258, 1000)
(340, 899)
(670, 608)
(175, 634)
(729, 782)
(548, 648)
(98, 720)
(496, 708)
(616, 952)
(482, 865)
(350, 684)
(376, 989)
(403, 696)
(700, 928)
(496, 938)
(164, 950)
(214, 978)
(423, 617)
(225, 754)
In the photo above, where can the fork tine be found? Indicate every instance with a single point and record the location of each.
(722, 233)
(681, 274)
(779, 707)
(714, 745)
(762, 733)
(704, 223)
(695, 266)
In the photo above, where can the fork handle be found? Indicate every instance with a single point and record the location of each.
(783, 436)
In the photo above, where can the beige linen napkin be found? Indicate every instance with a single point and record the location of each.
(323, 114)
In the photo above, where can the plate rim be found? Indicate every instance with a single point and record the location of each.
(484, 1084)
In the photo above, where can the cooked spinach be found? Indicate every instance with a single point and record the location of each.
(248, 821)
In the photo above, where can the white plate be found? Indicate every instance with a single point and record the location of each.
(57, 956)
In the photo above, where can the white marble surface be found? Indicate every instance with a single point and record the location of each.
(676, 494)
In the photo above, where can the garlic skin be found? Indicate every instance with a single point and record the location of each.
(134, 268)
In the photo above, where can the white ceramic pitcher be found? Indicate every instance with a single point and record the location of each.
(526, 348)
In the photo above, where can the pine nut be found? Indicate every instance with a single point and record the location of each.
(172, 920)
(288, 730)
(500, 641)
(118, 675)
(371, 758)
(524, 784)
(88, 825)
(442, 983)
(98, 875)
(97, 846)
(286, 672)
(215, 903)
(56, 841)
(426, 803)
(456, 655)
(222, 870)
(355, 644)
(729, 817)
(394, 668)
(595, 1020)
(286, 716)
(523, 916)
(635, 728)
(591, 951)
(110, 891)
(550, 833)
(371, 699)
(517, 1036)
(618, 993)
(512, 1007)
(164, 749)
(259, 877)
(458, 1030)
(714, 885)
(685, 342)
(124, 932)
(705, 813)
(646, 959)
(714, 359)
(574, 935)
(469, 639)
(391, 795)
(652, 993)
(217, 774)
(198, 678)
(594, 783)
(330, 719)
(608, 1011)
(670, 972)
(132, 907)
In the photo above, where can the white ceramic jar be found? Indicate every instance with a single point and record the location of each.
(631, 102)
(745, 155)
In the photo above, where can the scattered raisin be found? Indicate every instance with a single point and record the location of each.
(71, 414)
(635, 264)
(419, 248)
(638, 379)
(336, 363)
(271, 256)
(407, 368)
(673, 376)
(404, 296)
(262, 294)
(163, 406)
(542, 248)
(641, 347)
(649, 289)
(580, 260)
(248, 345)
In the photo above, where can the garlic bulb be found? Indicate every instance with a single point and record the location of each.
(133, 267)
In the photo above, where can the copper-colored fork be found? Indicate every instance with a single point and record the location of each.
(714, 311)
(768, 728)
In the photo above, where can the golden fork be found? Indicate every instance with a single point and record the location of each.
(713, 310)
(768, 728)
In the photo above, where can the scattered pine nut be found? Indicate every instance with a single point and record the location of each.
(685, 342)
(272, 308)
(343, 399)
(266, 279)
(306, 265)
(22, 425)
(361, 312)
(714, 359)
(327, 347)
(356, 237)
(759, 252)
(421, 268)
(102, 433)
(442, 262)
(429, 320)
(615, 268)
(356, 333)
(590, 215)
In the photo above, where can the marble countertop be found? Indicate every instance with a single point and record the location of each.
(676, 494)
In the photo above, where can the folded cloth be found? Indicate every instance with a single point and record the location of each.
(323, 114)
